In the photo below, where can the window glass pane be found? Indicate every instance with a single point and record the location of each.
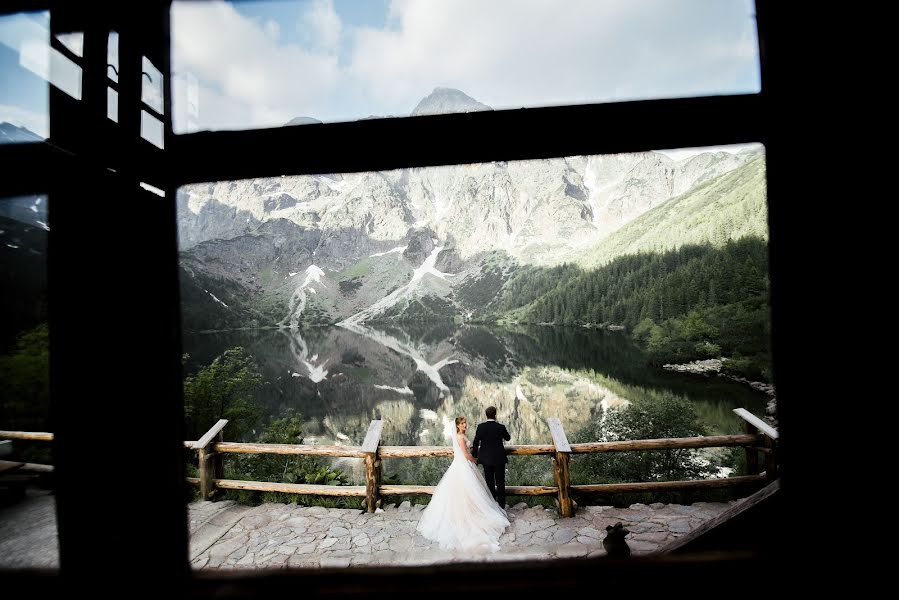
(24, 95)
(151, 129)
(112, 56)
(112, 104)
(151, 89)
(576, 288)
(265, 64)
(27, 506)
(73, 41)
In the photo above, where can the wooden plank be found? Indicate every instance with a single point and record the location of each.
(710, 441)
(41, 436)
(560, 440)
(211, 434)
(373, 437)
(759, 423)
(193, 480)
(511, 490)
(192, 445)
(413, 451)
(653, 486)
(304, 449)
(707, 526)
(291, 488)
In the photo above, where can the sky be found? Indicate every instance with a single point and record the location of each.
(260, 64)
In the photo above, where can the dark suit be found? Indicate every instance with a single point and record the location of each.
(488, 449)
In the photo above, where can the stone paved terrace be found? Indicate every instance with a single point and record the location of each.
(225, 535)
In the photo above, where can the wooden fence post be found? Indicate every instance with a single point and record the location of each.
(752, 455)
(560, 466)
(771, 459)
(211, 465)
(372, 465)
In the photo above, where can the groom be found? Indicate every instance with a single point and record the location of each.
(488, 449)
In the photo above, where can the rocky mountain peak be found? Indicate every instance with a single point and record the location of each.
(447, 100)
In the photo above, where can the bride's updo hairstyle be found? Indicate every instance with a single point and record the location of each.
(459, 422)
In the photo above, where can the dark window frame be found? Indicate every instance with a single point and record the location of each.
(91, 163)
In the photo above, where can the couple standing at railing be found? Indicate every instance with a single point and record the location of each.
(466, 511)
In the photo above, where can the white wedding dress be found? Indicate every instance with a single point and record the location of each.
(462, 514)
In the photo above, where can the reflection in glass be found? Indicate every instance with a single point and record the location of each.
(151, 129)
(267, 64)
(73, 41)
(151, 89)
(112, 56)
(24, 95)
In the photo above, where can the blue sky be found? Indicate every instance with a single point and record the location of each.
(259, 64)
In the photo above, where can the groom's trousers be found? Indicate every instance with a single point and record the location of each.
(496, 482)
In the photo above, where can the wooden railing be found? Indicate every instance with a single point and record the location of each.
(759, 437)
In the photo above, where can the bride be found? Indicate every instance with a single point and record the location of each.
(462, 513)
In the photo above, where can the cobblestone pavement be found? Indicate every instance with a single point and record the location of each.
(226, 536)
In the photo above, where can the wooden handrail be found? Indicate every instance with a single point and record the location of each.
(41, 436)
(291, 488)
(759, 437)
(657, 486)
(711, 441)
(758, 423)
(213, 431)
(303, 449)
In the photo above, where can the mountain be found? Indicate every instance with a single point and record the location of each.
(425, 242)
(728, 207)
(302, 121)
(11, 134)
(447, 100)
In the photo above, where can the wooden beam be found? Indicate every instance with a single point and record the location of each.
(291, 488)
(414, 451)
(718, 520)
(304, 449)
(560, 440)
(212, 433)
(504, 135)
(758, 423)
(192, 445)
(658, 486)
(41, 436)
(710, 441)
(193, 480)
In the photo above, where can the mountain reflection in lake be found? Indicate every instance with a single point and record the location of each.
(418, 378)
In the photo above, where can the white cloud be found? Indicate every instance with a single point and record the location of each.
(321, 26)
(37, 121)
(505, 53)
(240, 65)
